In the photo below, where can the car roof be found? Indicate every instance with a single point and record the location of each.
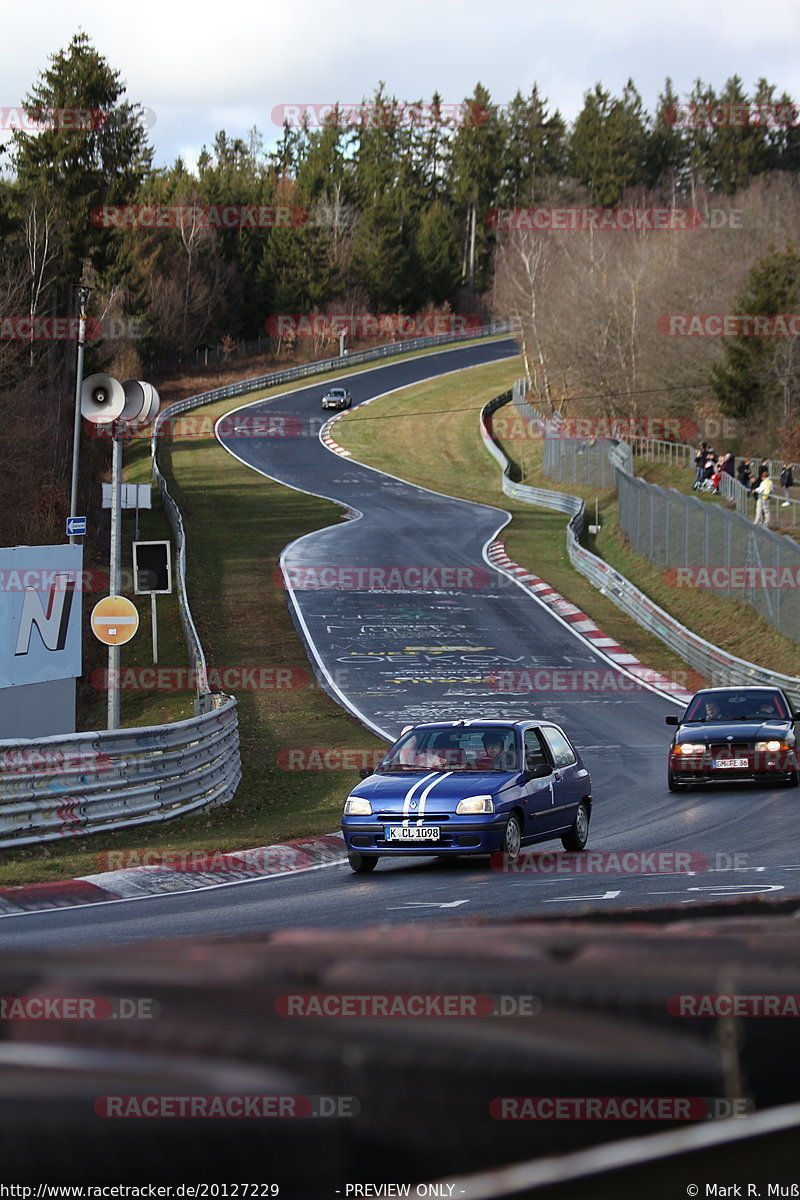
(482, 722)
(745, 687)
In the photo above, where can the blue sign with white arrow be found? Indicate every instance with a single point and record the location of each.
(76, 526)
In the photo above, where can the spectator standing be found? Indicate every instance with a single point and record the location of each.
(763, 493)
(728, 465)
(743, 472)
(787, 479)
(700, 462)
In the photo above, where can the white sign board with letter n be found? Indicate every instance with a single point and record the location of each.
(40, 614)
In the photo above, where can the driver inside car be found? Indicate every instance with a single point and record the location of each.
(495, 753)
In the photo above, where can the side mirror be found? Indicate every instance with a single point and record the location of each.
(539, 771)
(672, 720)
(365, 773)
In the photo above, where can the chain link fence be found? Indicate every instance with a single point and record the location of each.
(717, 666)
(590, 464)
(703, 545)
(708, 546)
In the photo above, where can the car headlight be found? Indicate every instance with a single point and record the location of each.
(690, 748)
(475, 804)
(357, 806)
(771, 745)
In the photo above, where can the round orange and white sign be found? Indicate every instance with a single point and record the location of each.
(115, 620)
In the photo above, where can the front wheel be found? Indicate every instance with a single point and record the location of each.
(794, 779)
(577, 837)
(362, 864)
(673, 784)
(512, 838)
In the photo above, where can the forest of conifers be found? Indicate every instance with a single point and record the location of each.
(399, 214)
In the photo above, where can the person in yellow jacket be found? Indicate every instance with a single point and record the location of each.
(763, 492)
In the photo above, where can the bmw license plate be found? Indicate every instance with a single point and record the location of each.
(412, 833)
(740, 763)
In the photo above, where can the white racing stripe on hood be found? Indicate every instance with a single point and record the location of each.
(424, 796)
(409, 794)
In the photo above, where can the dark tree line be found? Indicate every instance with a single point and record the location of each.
(395, 210)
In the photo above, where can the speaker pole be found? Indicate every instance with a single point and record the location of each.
(83, 296)
(114, 573)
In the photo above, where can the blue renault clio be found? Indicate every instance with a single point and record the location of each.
(469, 787)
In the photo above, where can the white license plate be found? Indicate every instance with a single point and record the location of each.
(741, 763)
(412, 833)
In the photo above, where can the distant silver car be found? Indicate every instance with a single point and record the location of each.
(337, 397)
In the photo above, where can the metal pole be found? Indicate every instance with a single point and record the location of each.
(154, 624)
(83, 296)
(114, 577)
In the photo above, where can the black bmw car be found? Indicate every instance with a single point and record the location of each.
(727, 734)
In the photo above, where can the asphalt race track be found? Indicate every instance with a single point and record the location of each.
(395, 654)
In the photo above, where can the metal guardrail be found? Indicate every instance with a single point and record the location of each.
(56, 788)
(714, 664)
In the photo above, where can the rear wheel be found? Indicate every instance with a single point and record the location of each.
(362, 864)
(577, 837)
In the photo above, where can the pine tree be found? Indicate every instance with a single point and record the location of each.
(760, 376)
(78, 169)
(608, 145)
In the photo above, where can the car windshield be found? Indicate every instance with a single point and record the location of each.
(445, 748)
(733, 705)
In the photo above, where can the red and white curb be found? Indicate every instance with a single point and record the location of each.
(328, 441)
(167, 872)
(583, 624)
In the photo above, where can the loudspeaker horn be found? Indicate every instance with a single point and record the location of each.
(141, 402)
(102, 399)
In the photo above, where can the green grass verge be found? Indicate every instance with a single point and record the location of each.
(449, 457)
(237, 523)
(439, 420)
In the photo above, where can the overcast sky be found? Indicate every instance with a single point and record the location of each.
(201, 68)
